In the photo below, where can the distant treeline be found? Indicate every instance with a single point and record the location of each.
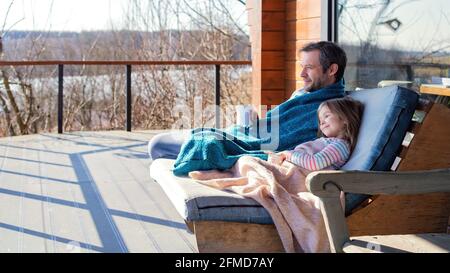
(18, 44)
(119, 45)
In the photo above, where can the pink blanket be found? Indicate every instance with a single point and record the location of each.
(281, 190)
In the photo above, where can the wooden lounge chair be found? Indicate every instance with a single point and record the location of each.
(409, 210)
(226, 222)
(328, 185)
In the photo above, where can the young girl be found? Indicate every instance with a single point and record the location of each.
(339, 121)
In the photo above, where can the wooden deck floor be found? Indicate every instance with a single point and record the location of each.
(85, 192)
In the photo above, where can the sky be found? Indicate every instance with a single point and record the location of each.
(425, 23)
(73, 15)
(65, 15)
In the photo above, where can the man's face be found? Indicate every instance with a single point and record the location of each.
(314, 78)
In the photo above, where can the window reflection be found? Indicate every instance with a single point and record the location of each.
(394, 40)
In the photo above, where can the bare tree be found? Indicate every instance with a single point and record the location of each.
(94, 97)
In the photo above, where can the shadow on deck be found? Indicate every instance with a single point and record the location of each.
(85, 192)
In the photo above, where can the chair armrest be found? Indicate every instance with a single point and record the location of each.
(327, 185)
(372, 182)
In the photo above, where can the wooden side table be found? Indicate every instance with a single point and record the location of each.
(442, 91)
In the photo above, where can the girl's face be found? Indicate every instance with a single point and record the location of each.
(330, 124)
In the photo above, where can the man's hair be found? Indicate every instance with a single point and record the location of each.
(350, 112)
(330, 53)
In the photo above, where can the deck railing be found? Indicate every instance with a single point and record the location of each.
(407, 67)
(128, 67)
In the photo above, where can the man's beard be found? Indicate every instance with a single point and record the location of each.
(315, 85)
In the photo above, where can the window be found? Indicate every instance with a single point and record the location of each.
(394, 40)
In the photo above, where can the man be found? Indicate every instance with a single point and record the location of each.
(323, 64)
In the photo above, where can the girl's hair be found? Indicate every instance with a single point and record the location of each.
(350, 112)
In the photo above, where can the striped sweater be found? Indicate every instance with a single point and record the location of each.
(322, 153)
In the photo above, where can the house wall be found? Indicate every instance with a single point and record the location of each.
(278, 29)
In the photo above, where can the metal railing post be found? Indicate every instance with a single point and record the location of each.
(128, 83)
(409, 73)
(60, 97)
(217, 94)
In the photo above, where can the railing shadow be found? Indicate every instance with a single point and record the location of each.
(102, 216)
(50, 237)
(35, 161)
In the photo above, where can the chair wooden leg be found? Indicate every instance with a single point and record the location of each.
(217, 236)
(190, 226)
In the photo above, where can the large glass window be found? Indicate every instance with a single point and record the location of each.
(394, 40)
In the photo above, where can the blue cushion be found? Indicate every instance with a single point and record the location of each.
(387, 115)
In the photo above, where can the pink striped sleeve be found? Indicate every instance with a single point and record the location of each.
(335, 153)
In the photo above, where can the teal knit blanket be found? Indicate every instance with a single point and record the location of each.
(287, 125)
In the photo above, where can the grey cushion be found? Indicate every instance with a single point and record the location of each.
(387, 115)
(195, 201)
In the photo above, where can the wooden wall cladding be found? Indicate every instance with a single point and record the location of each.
(272, 71)
(278, 30)
(272, 79)
(308, 9)
(273, 59)
(273, 20)
(273, 5)
(303, 26)
(272, 40)
(254, 12)
(272, 98)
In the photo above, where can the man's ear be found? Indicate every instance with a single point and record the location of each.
(332, 70)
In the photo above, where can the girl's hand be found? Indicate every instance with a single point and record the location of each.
(277, 158)
(283, 156)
